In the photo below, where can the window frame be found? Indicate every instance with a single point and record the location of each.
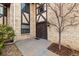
(4, 14)
(40, 9)
(25, 8)
(22, 20)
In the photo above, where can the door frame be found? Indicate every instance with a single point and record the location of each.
(46, 20)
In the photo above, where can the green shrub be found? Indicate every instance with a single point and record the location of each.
(6, 33)
(1, 47)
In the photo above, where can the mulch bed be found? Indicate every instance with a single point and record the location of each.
(64, 50)
(11, 50)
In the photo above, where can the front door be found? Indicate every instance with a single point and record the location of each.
(41, 23)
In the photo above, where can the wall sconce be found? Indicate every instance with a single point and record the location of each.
(48, 24)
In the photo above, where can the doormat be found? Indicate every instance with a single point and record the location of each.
(64, 50)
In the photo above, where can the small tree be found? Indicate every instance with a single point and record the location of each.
(61, 19)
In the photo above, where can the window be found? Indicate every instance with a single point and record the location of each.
(25, 7)
(3, 14)
(25, 28)
(25, 18)
(1, 11)
(5, 11)
(41, 9)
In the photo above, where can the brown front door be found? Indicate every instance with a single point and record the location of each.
(41, 30)
(41, 25)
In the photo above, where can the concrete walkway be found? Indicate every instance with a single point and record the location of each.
(34, 47)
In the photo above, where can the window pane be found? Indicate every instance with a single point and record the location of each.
(25, 26)
(1, 11)
(25, 7)
(41, 8)
(1, 14)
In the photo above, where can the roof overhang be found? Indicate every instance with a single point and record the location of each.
(6, 4)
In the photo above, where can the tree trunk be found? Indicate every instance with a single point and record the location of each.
(59, 40)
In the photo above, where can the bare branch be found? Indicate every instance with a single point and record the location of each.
(55, 14)
(60, 9)
(61, 20)
(71, 24)
(52, 24)
(56, 4)
(70, 10)
(52, 8)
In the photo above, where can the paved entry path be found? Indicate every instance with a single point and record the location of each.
(34, 47)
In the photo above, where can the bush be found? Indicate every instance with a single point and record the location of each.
(1, 47)
(6, 33)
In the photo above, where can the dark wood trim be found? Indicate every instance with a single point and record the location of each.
(3, 17)
(40, 5)
(6, 16)
(4, 20)
(6, 4)
(3, 6)
(41, 13)
(47, 18)
(43, 18)
(38, 18)
(41, 22)
(21, 21)
(29, 14)
(26, 19)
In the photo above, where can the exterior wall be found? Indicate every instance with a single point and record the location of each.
(32, 33)
(10, 15)
(32, 21)
(70, 36)
(1, 20)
